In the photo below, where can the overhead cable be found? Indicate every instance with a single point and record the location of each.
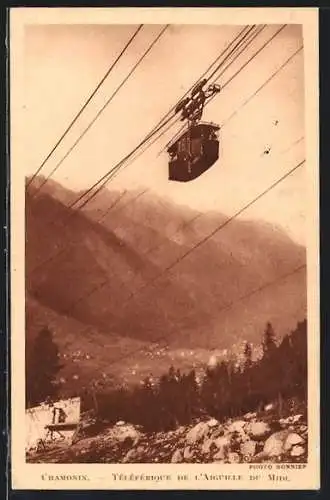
(89, 99)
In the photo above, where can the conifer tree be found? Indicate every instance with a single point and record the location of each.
(247, 356)
(42, 366)
(269, 340)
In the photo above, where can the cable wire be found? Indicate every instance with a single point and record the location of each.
(230, 219)
(158, 127)
(227, 83)
(98, 287)
(234, 75)
(114, 170)
(168, 268)
(83, 108)
(223, 70)
(178, 118)
(67, 248)
(216, 230)
(80, 137)
(164, 121)
(263, 85)
(223, 308)
(201, 242)
(101, 187)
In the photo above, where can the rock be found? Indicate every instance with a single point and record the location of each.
(269, 407)
(250, 415)
(217, 431)
(274, 445)
(177, 457)
(207, 446)
(180, 430)
(188, 453)
(233, 458)
(237, 426)
(258, 429)
(296, 418)
(248, 448)
(123, 434)
(285, 421)
(212, 423)
(237, 439)
(133, 455)
(260, 457)
(219, 456)
(222, 444)
(282, 422)
(197, 433)
(292, 440)
(120, 423)
(297, 451)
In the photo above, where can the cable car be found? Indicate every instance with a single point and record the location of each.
(194, 152)
(197, 148)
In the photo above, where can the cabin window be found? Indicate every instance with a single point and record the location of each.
(182, 145)
(196, 147)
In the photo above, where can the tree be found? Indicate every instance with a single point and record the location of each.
(146, 407)
(216, 390)
(247, 356)
(189, 400)
(269, 340)
(42, 366)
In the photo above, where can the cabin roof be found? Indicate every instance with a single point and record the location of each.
(200, 125)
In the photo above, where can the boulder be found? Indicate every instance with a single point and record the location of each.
(258, 430)
(123, 434)
(297, 451)
(222, 444)
(188, 453)
(207, 446)
(212, 423)
(237, 426)
(197, 433)
(285, 421)
(248, 448)
(220, 455)
(274, 445)
(250, 415)
(292, 440)
(133, 455)
(296, 418)
(180, 430)
(217, 431)
(177, 457)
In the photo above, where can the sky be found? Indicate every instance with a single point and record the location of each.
(63, 64)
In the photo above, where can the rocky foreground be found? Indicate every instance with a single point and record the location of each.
(252, 438)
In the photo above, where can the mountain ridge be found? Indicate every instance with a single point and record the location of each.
(183, 304)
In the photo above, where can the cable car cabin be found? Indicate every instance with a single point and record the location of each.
(194, 152)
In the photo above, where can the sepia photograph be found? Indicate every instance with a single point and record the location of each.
(165, 255)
